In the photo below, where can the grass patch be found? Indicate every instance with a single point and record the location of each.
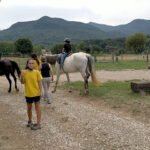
(121, 65)
(112, 92)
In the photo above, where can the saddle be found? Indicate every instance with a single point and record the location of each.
(60, 57)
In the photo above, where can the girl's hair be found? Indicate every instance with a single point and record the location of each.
(34, 56)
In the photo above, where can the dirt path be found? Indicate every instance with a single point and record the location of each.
(71, 122)
(114, 75)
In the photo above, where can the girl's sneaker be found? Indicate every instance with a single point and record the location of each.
(29, 124)
(36, 127)
(48, 102)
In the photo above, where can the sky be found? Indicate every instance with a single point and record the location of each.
(110, 12)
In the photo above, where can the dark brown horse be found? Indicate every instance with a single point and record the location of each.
(7, 68)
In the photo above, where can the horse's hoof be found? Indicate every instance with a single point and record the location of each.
(86, 92)
(53, 91)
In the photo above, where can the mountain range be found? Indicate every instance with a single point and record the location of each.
(47, 30)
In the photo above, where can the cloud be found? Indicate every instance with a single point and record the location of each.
(101, 11)
(16, 14)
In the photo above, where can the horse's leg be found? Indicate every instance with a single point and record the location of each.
(86, 74)
(9, 80)
(55, 87)
(85, 77)
(68, 79)
(15, 79)
(86, 86)
(58, 68)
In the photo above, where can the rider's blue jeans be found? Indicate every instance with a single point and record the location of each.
(63, 56)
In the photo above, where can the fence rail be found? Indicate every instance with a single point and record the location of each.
(124, 57)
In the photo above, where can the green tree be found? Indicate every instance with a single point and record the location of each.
(24, 46)
(7, 47)
(56, 49)
(136, 42)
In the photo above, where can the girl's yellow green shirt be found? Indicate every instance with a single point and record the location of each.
(31, 82)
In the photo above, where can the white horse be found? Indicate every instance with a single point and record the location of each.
(78, 62)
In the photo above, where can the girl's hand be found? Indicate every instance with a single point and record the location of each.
(22, 77)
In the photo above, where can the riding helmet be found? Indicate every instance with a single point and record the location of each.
(67, 40)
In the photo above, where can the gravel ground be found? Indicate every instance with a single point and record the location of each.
(72, 122)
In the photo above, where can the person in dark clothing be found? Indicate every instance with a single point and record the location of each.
(67, 49)
(47, 74)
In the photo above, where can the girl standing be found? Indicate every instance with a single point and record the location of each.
(31, 79)
(47, 74)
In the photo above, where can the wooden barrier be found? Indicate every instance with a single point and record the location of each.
(140, 86)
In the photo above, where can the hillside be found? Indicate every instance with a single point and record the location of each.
(51, 30)
(48, 30)
(138, 25)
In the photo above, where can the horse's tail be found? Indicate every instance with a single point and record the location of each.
(91, 68)
(16, 68)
